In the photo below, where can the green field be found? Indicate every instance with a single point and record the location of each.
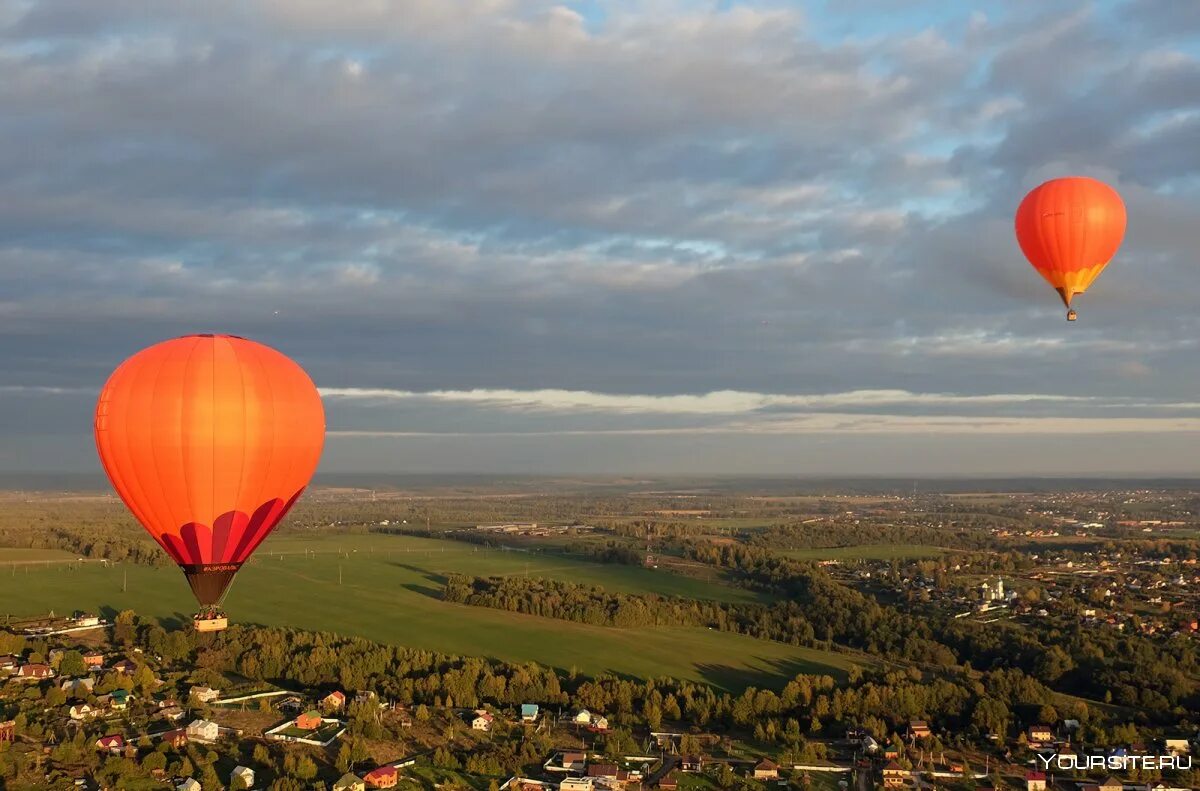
(867, 552)
(10, 555)
(389, 592)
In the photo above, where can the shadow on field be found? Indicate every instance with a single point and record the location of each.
(771, 674)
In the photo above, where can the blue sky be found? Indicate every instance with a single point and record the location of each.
(516, 236)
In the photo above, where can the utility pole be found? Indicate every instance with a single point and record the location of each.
(339, 574)
(124, 580)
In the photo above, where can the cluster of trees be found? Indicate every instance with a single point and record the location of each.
(783, 621)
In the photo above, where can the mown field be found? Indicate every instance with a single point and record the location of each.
(867, 552)
(389, 591)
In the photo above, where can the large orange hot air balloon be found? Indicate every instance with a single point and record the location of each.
(209, 440)
(1069, 229)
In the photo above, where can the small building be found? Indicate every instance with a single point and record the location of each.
(1035, 781)
(691, 763)
(919, 729)
(766, 769)
(176, 738)
(582, 717)
(204, 694)
(577, 784)
(113, 743)
(529, 712)
(599, 723)
(335, 700)
(669, 782)
(203, 731)
(118, 699)
(894, 775)
(126, 667)
(243, 773)
(93, 660)
(8, 730)
(292, 704)
(482, 721)
(575, 762)
(1178, 746)
(309, 721)
(188, 784)
(35, 671)
(1040, 734)
(81, 712)
(8, 662)
(78, 687)
(382, 777)
(606, 771)
(349, 782)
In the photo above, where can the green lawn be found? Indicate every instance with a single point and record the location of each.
(867, 552)
(390, 592)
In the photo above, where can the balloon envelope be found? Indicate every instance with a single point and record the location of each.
(1069, 229)
(209, 440)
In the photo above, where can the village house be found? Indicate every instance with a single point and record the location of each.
(482, 721)
(582, 717)
(172, 714)
(204, 694)
(575, 762)
(113, 743)
(919, 729)
(118, 699)
(366, 696)
(1178, 746)
(1110, 784)
(203, 731)
(608, 773)
(691, 763)
(8, 663)
(577, 784)
(243, 773)
(599, 723)
(1035, 781)
(126, 666)
(291, 704)
(81, 712)
(8, 730)
(383, 777)
(188, 784)
(1040, 734)
(176, 738)
(529, 712)
(334, 701)
(309, 721)
(766, 769)
(349, 782)
(894, 775)
(93, 660)
(35, 672)
(669, 782)
(78, 687)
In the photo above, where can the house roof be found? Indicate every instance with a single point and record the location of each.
(338, 694)
(1034, 775)
(112, 740)
(382, 771)
(529, 708)
(603, 770)
(766, 763)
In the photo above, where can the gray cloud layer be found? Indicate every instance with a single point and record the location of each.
(669, 200)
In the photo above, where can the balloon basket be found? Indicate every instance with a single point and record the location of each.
(210, 621)
(1072, 315)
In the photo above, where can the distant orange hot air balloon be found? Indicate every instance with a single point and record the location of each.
(209, 440)
(1069, 229)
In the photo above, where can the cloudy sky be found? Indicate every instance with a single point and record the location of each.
(605, 237)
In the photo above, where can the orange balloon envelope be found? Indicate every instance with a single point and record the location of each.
(1069, 229)
(209, 440)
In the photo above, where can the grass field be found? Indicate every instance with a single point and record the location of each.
(389, 592)
(867, 552)
(10, 555)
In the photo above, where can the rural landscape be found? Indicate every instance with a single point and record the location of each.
(607, 634)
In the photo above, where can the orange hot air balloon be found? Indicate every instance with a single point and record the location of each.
(209, 440)
(1069, 229)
